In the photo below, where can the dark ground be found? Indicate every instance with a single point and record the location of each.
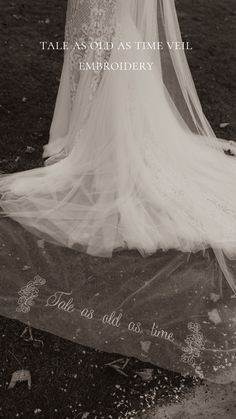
(69, 381)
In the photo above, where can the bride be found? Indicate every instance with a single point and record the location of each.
(132, 163)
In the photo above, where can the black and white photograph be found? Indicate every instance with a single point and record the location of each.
(118, 209)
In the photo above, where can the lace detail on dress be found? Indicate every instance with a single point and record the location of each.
(89, 22)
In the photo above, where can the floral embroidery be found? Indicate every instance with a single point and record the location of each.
(88, 21)
(28, 293)
(195, 345)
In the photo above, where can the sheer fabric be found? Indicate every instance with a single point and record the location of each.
(132, 164)
(172, 309)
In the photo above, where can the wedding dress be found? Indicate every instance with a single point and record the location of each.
(132, 163)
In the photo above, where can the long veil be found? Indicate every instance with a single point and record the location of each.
(157, 20)
(174, 309)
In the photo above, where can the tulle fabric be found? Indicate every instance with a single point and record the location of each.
(172, 309)
(125, 171)
(127, 181)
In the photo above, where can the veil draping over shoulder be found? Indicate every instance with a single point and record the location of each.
(174, 307)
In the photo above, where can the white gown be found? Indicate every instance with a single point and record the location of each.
(124, 172)
(132, 176)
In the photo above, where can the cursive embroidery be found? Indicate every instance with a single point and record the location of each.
(58, 299)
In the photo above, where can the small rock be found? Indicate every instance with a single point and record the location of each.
(146, 374)
(26, 268)
(29, 149)
(214, 316)
(145, 345)
(19, 376)
(41, 244)
(224, 124)
(214, 297)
